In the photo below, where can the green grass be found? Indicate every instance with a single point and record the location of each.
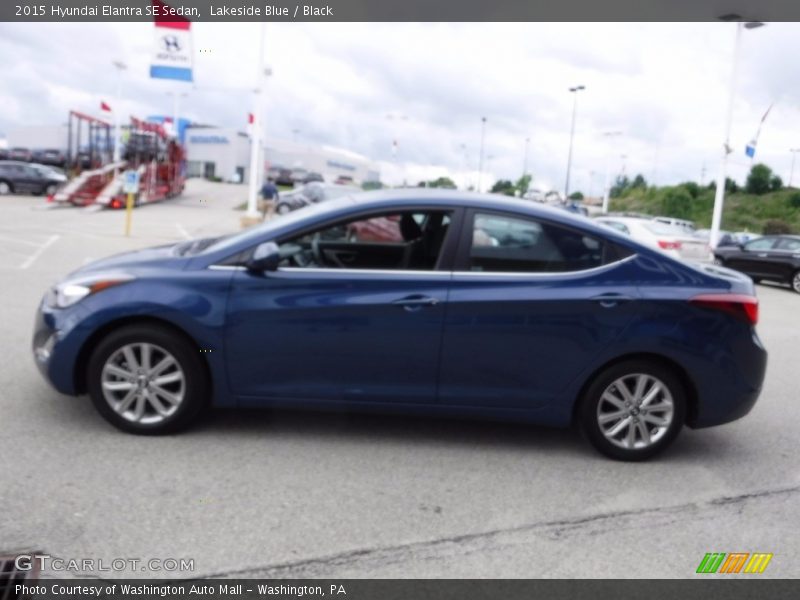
(742, 212)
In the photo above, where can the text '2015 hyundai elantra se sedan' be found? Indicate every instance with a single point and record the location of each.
(456, 304)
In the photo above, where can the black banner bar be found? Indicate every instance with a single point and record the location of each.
(401, 10)
(700, 588)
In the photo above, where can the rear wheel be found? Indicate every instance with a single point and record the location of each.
(633, 410)
(50, 189)
(796, 281)
(282, 209)
(147, 379)
(5, 188)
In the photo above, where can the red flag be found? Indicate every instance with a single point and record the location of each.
(104, 106)
(251, 118)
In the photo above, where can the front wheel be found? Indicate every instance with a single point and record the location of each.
(282, 209)
(633, 410)
(147, 379)
(5, 188)
(796, 282)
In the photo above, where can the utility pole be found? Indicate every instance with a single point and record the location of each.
(573, 90)
(525, 161)
(794, 152)
(480, 159)
(255, 134)
(719, 193)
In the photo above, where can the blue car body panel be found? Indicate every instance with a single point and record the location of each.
(503, 346)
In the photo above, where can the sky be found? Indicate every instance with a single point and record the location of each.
(361, 86)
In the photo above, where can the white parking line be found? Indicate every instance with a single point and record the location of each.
(182, 231)
(32, 258)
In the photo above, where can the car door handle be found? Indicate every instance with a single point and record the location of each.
(611, 300)
(415, 302)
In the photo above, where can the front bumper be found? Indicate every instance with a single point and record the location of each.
(56, 344)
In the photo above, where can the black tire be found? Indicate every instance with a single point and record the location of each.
(588, 411)
(196, 390)
(795, 283)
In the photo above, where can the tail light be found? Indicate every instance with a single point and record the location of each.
(665, 245)
(738, 305)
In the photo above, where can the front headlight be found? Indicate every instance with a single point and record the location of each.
(72, 291)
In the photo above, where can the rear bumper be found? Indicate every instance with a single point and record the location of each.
(729, 390)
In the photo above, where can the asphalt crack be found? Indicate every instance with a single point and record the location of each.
(556, 529)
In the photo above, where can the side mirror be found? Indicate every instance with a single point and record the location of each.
(266, 257)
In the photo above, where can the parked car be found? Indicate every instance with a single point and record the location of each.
(344, 180)
(572, 323)
(310, 193)
(769, 258)
(20, 154)
(18, 177)
(284, 177)
(298, 175)
(687, 226)
(313, 177)
(50, 156)
(4, 153)
(671, 240)
(726, 238)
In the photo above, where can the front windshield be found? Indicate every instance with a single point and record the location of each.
(259, 231)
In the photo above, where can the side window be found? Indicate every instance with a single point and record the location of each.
(760, 244)
(512, 244)
(790, 244)
(410, 241)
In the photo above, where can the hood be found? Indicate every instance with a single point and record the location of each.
(147, 257)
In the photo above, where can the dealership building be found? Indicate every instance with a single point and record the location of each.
(225, 153)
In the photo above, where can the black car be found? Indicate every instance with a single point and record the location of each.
(50, 156)
(17, 177)
(770, 258)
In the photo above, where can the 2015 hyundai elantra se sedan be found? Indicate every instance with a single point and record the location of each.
(464, 305)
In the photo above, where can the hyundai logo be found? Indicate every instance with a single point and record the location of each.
(171, 43)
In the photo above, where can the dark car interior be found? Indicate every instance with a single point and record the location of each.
(422, 234)
(499, 245)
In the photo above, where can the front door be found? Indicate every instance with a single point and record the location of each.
(343, 320)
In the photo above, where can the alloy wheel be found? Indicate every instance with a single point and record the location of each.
(4, 188)
(143, 383)
(796, 282)
(635, 411)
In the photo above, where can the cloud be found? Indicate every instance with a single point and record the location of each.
(664, 85)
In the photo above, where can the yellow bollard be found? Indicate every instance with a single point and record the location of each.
(128, 212)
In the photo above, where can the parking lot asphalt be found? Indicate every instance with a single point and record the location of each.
(293, 494)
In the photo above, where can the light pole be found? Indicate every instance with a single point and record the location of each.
(395, 145)
(121, 66)
(525, 161)
(607, 184)
(719, 194)
(573, 90)
(794, 151)
(255, 138)
(175, 106)
(480, 156)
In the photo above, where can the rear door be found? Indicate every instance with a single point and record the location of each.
(531, 304)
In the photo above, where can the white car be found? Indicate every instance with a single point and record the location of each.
(687, 226)
(669, 239)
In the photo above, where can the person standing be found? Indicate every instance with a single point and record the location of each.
(269, 197)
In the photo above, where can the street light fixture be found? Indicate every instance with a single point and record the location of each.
(573, 90)
(719, 194)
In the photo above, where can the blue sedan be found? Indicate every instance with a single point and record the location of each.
(423, 301)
